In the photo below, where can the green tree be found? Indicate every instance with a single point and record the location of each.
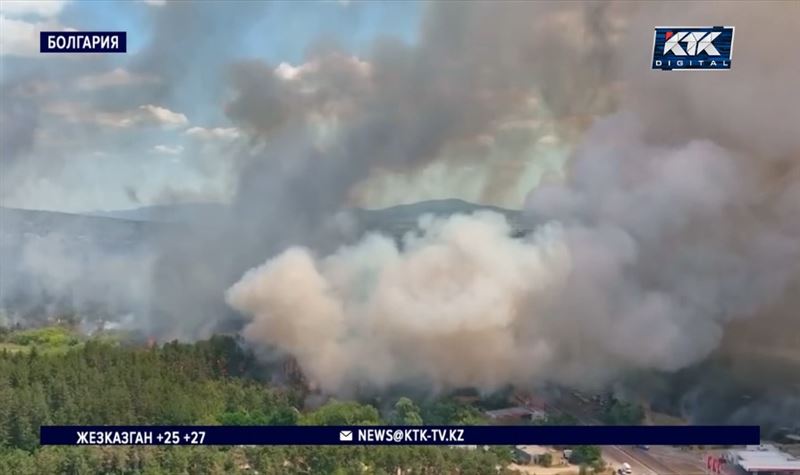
(623, 413)
(336, 413)
(449, 412)
(17, 461)
(75, 463)
(406, 413)
(585, 454)
(558, 420)
(103, 382)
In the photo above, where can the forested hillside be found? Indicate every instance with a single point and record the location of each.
(210, 382)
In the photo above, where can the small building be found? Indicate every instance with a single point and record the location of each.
(537, 415)
(530, 401)
(763, 460)
(529, 454)
(466, 447)
(516, 414)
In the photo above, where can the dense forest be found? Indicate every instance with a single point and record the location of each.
(48, 376)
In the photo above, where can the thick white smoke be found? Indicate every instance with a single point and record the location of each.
(651, 251)
(445, 307)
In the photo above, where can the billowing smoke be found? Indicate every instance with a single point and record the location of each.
(321, 129)
(648, 274)
(674, 234)
(445, 307)
(679, 217)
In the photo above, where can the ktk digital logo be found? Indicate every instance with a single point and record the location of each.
(693, 48)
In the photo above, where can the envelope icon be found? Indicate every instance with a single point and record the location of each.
(346, 435)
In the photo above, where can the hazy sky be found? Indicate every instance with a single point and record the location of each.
(87, 132)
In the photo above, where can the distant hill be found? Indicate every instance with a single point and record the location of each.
(52, 264)
(126, 230)
(401, 218)
(440, 207)
(50, 261)
(123, 230)
(19, 224)
(164, 213)
(406, 212)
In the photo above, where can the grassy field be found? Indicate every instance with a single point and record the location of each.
(51, 339)
(13, 347)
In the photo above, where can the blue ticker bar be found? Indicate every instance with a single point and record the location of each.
(394, 435)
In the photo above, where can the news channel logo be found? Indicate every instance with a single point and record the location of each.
(693, 48)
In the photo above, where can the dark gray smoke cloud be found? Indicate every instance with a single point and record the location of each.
(192, 40)
(700, 176)
(716, 232)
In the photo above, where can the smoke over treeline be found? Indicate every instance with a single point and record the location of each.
(71, 267)
(679, 215)
(676, 224)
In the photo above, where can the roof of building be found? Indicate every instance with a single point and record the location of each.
(533, 450)
(765, 458)
(529, 400)
(509, 412)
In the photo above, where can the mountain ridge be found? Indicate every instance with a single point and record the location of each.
(184, 211)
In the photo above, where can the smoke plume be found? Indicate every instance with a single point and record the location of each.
(679, 217)
(320, 129)
(674, 235)
(444, 308)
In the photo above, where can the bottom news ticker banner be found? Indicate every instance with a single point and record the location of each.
(421, 435)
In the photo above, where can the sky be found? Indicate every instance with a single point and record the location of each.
(113, 131)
